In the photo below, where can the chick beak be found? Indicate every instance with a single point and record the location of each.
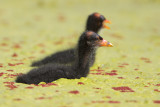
(104, 22)
(105, 43)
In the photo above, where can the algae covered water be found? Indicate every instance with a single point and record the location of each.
(126, 74)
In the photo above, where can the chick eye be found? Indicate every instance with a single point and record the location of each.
(100, 38)
(102, 17)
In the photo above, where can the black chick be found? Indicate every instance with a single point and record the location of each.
(94, 23)
(87, 44)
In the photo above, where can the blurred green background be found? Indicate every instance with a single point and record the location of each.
(33, 29)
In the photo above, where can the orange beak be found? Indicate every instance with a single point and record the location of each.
(104, 22)
(105, 43)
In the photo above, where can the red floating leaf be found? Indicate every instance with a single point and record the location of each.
(120, 77)
(8, 82)
(143, 58)
(52, 84)
(80, 83)
(111, 74)
(18, 74)
(136, 69)
(42, 51)
(12, 75)
(96, 88)
(29, 87)
(17, 99)
(57, 91)
(10, 70)
(16, 46)
(137, 78)
(148, 61)
(48, 84)
(113, 101)
(10, 85)
(61, 18)
(121, 66)
(97, 73)
(4, 44)
(114, 71)
(157, 85)
(41, 45)
(99, 70)
(1, 74)
(96, 91)
(14, 55)
(124, 56)
(74, 92)
(35, 84)
(58, 42)
(31, 57)
(39, 98)
(157, 90)
(19, 63)
(44, 85)
(108, 97)
(11, 64)
(157, 101)
(6, 39)
(145, 86)
(125, 64)
(123, 89)
(49, 97)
